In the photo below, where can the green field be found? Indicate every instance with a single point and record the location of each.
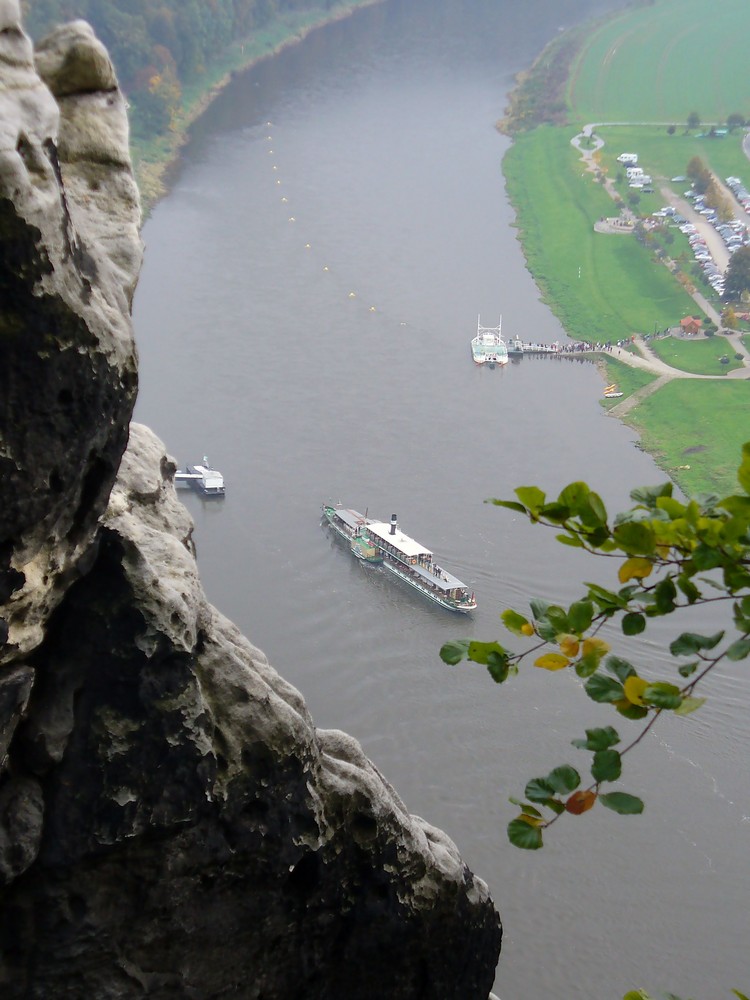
(699, 424)
(659, 62)
(640, 71)
(602, 287)
(700, 356)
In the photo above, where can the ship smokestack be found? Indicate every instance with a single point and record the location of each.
(394, 524)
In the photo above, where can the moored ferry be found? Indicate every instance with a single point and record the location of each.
(380, 542)
(488, 347)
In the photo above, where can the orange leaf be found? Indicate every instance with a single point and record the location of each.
(580, 802)
(552, 661)
(635, 568)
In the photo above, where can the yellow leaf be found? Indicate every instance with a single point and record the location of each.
(527, 629)
(663, 551)
(552, 661)
(636, 568)
(531, 820)
(568, 644)
(596, 646)
(634, 688)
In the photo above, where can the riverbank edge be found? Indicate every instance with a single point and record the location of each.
(155, 160)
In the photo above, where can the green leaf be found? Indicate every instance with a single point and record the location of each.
(706, 557)
(633, 623)
(527, 809)
(509, 504)
(574, 495)
(664, 595)
(622, 803)
(688, 669)
(455, 651)
(479, 652)
(673, 507)
(648, 495)
(603, 689)
(593, 512)
(498, 666)
(573, 540)
(739, 649)
(539, 790)
(587, 665)
(740, 995)
(513, 621)
(689, 705)
(629, 711)
(557, 617)
(531, 497)
(606, 599)
(564, 779)
(521, 834)
(554, 512)
(620, 668)
(546, 630)
(598, 739)
(538, 608)
(690, 642)
(607, 765)
(688, 588)
(580, 616)
(635, 537)
(662, 695)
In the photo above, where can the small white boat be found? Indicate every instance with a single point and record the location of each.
(612, 392)
(488, 347)
(203, 479)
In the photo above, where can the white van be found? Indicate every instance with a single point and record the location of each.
(631, 158)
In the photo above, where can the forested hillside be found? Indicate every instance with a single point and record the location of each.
(158, 46)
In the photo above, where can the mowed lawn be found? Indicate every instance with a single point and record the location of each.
(601, 286)
(699, 357)
(700, 424)
(659, 62)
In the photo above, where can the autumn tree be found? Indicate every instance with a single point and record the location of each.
(737, 275)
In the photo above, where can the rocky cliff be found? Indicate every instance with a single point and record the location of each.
(172, 824)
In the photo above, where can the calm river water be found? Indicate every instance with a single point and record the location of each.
(304, 314)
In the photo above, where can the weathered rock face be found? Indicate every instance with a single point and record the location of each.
(69, 260)
(172, 824)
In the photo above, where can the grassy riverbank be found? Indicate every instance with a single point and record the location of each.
(152, 158)
(646, 68)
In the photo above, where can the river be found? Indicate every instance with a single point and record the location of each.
(311, 284)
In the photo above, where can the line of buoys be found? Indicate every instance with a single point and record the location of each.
(292, 218)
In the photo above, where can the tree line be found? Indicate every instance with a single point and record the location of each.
(158, 46)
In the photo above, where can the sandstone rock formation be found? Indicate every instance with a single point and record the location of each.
(172, 824)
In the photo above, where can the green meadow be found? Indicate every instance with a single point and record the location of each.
(640, 71)
(696, 423)
(659, 62)
(601, 286)
(699, 357)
